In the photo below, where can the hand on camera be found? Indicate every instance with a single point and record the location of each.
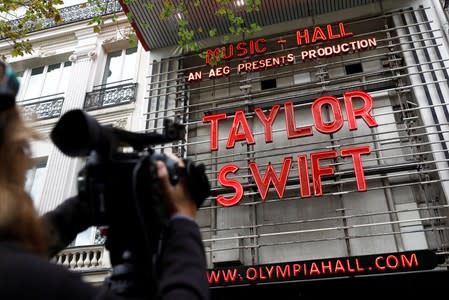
(179, 199)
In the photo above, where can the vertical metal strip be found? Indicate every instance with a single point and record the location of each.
(437, 50)
(429, 62)
(426, 89)
(158, 92)
(167, 86)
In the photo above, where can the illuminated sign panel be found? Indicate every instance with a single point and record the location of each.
(324, 268)
(311, 163)
(240, 131)
(304, 37)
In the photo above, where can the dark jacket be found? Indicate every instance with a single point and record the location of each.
(183, 276)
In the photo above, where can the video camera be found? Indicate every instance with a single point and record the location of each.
(120, 184)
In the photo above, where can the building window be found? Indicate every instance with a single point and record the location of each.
(35, 179)
(46, 80)
(120, 66)
(301, 78)
(353, 68)
(268, 84)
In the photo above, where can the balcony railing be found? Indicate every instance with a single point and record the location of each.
(110, 96)
(76, 13)
(89, 258)
(43, 107)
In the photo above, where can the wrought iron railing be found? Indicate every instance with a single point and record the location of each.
(43, 107)
(110, 96)
(76, 13)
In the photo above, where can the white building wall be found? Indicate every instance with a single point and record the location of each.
(87, 51)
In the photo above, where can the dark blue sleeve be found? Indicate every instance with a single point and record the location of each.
(182, 262)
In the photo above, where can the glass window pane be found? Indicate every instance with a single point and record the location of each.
(20, 78)
(86, 237)
(51, 80)
(130, 51)
(35, 83)
(35, 179)
(130, 63)
(113, 68)
(65, 77)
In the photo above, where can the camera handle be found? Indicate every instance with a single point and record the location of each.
(197, 181)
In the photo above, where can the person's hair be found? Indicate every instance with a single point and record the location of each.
(19, 220)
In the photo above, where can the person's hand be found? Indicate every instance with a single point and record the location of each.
(179, 199)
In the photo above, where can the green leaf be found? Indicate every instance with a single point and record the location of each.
(38, 26)
(130, 16)
(149, 5)
(239, 20)
(221, 11)
(132, 39)
(167, 10)
(183, 22)
(213, 32)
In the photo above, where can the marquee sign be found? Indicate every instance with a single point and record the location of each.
(324, 268)
(240, 131)
(304, 37)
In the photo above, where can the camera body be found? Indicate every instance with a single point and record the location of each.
(111, 186)
(121, 187)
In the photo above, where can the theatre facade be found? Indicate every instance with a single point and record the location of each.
(325, 139)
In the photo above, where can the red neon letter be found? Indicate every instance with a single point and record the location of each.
(406, 263)
(363, 112)
(358, 168)
(234, 135)
(318, 34)
(318, 171)
(267, 122)
(331, 35)
(332, 126)
(290, 121)
(284, 273)
(254, 273)
(377, 264)
(212, 53)
(339, 267)
(392, 265)
(230, 183)
(257, 45)
(303, 176)
(343, 31)
(213, 119)
(230, 53)
(299, 37)
(241, 49)
(270, 176)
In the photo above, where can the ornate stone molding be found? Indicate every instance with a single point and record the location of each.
(120, 123)
(92, 54)
(77, 56)
(73, 58)
(76, 13)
